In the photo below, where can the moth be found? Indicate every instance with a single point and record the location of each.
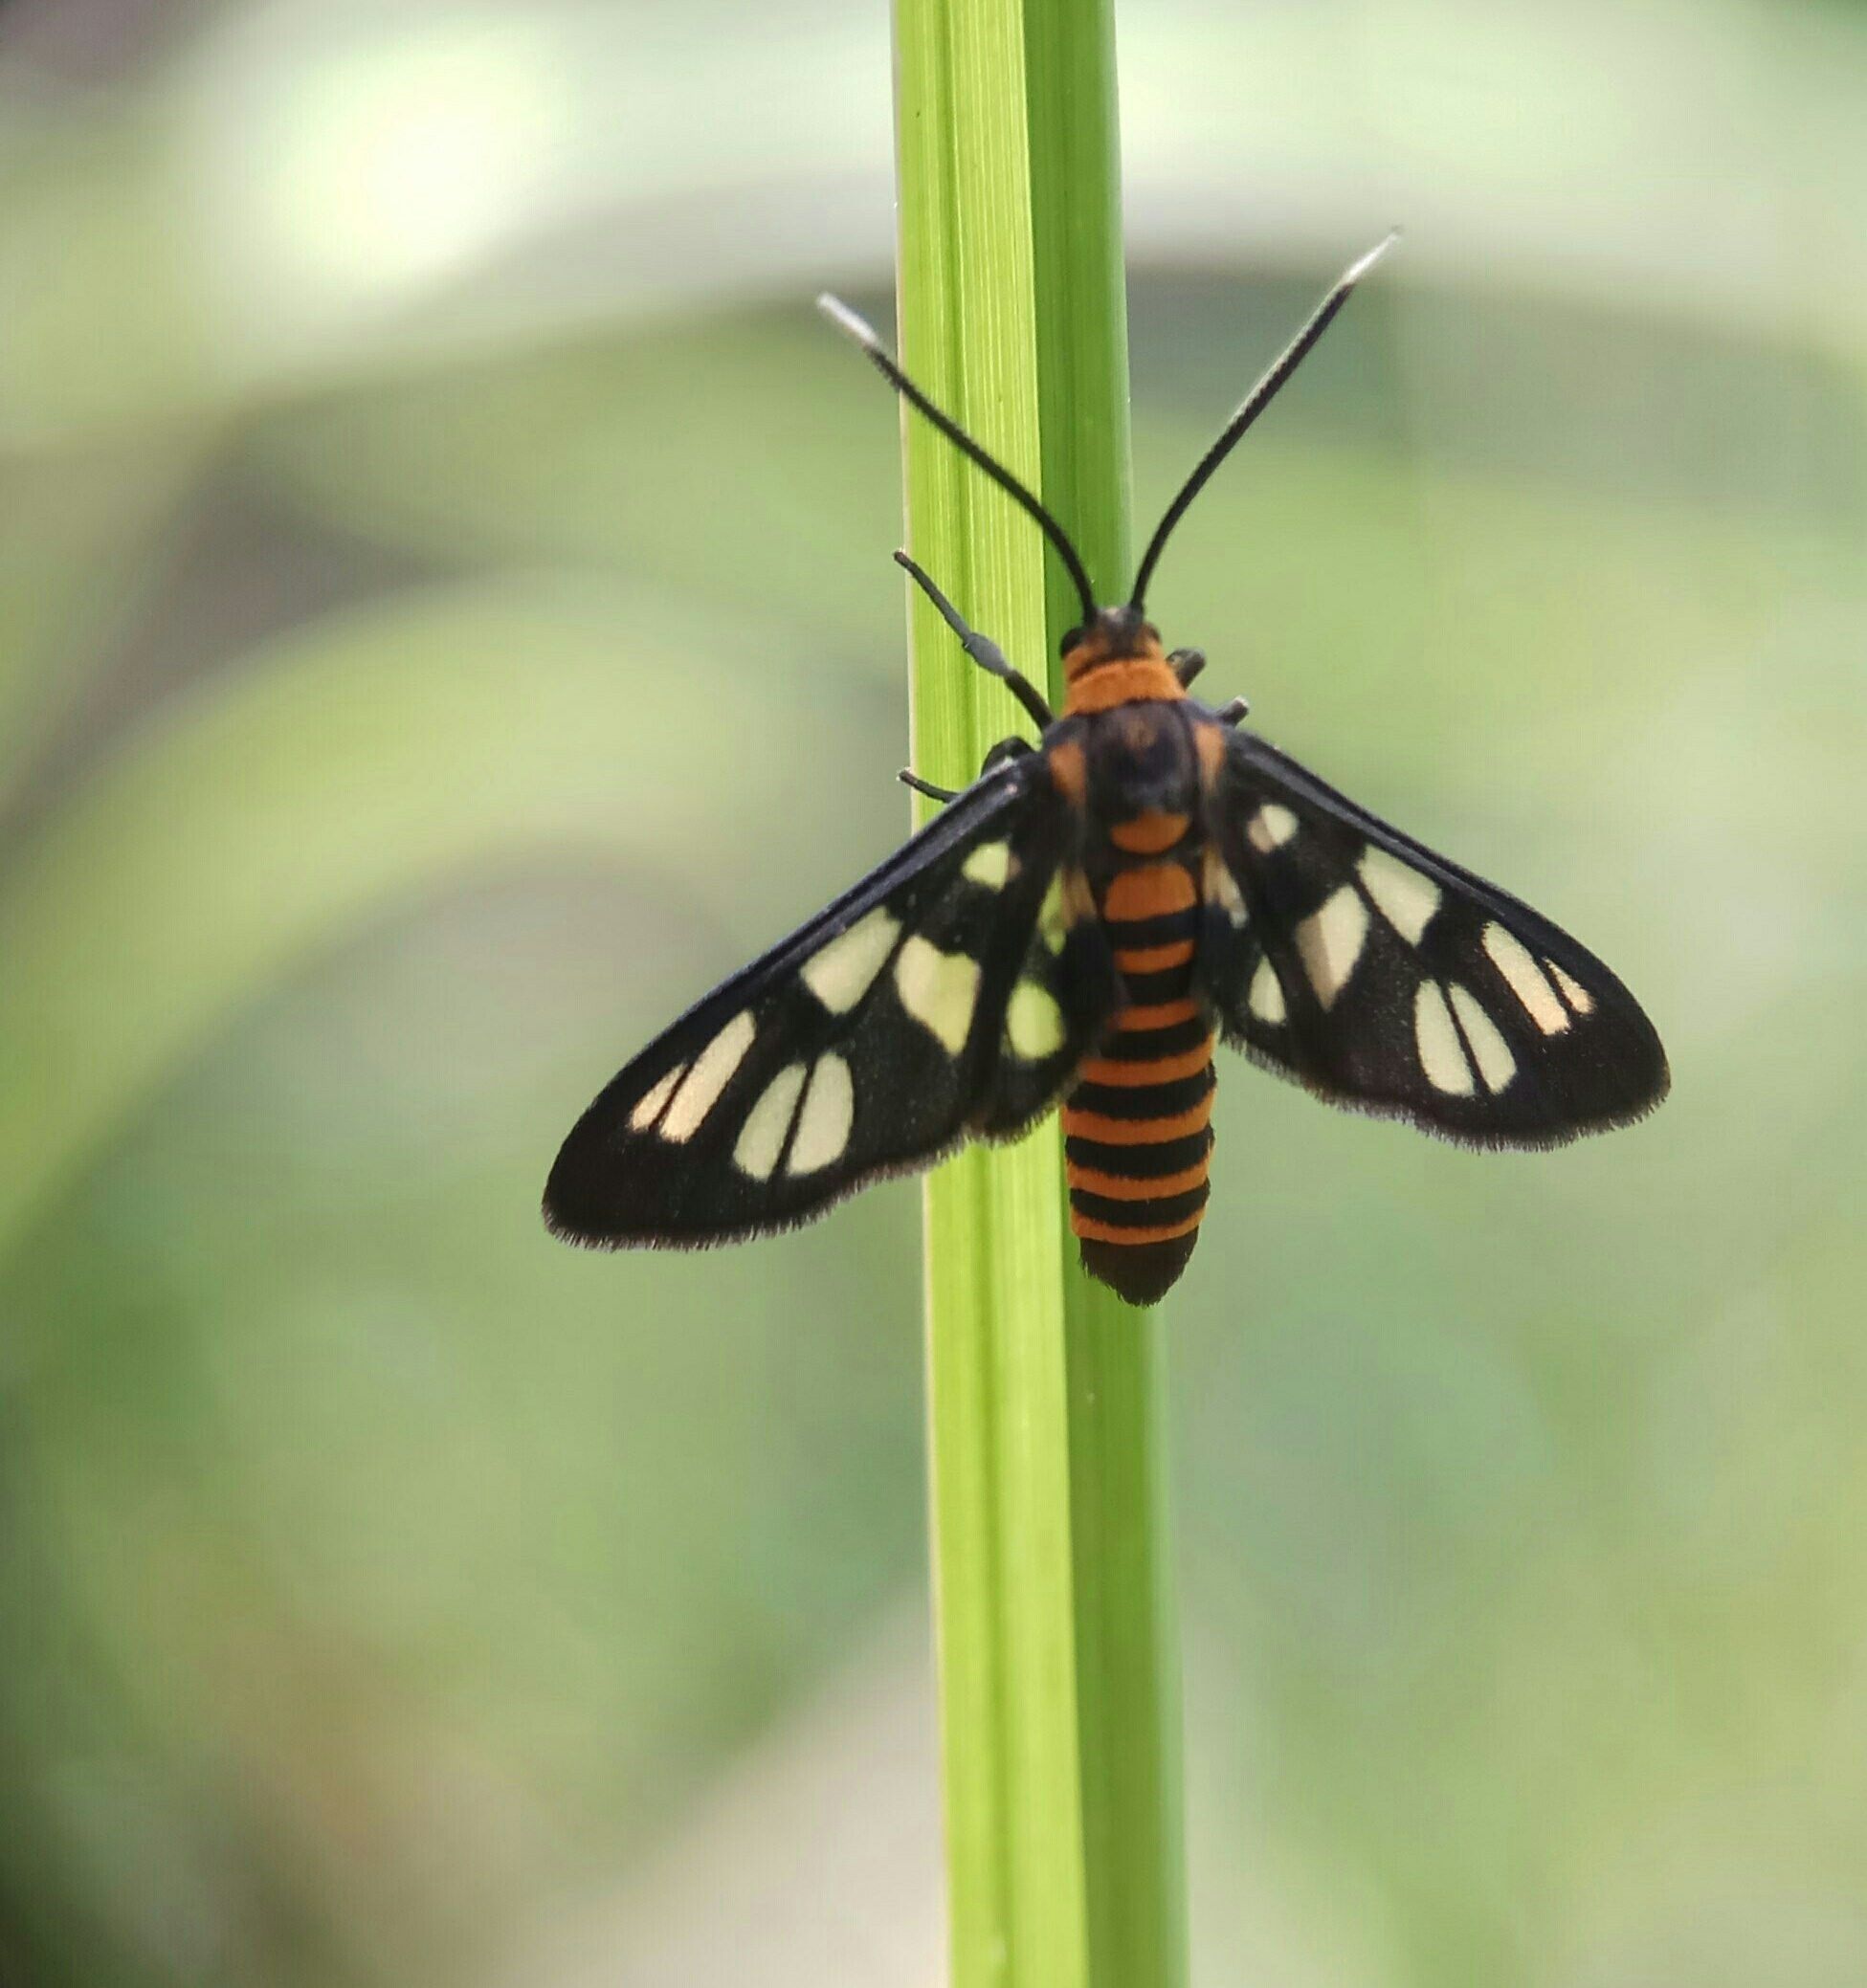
(1077, 927)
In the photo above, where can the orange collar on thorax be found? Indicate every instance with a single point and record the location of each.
(1098, 679)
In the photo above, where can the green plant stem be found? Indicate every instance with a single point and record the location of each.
(1058, 1669)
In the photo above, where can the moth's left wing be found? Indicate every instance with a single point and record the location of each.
(1349, 957)
(950, 992)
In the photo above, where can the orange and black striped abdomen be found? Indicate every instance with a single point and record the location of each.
(1137, 1127)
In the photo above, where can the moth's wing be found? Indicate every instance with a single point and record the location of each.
(942, 996)
(1385, 978)
(1062, 995)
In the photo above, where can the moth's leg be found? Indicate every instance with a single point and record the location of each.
(983, 651)
(1186, 664)
(1011, 748)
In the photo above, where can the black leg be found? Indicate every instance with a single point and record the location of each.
(1011, 748)
(1234, 713)
(983, 651)
(1186, 664)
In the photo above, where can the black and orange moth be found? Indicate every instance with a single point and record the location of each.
(1074, 928)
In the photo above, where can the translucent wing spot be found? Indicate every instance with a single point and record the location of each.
(1266, 996)
(1271, 828)
(1222, 890)
(648, 1106)
(991, 865)
(844, 970)
(1525, 979)
(1033, 1023)
(761, 1137)
(1574, 993)
(823, 1125)
(1053, 919)
(711, 1074)
(1496, 1066)
(1402, 897)
(938, 990)
(1330, 942)
(1442, 1056)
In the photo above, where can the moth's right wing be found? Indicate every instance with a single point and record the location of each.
(1380, 975)
(955, 991)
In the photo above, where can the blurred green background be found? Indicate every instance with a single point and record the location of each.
(445, 624)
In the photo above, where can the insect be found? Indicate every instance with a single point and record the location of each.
(1076, 927)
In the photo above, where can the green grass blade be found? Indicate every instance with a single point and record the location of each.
(1127, 1651)
(1057, 1662)
(998, 1387)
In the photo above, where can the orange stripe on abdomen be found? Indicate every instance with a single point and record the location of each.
(1147, 834)
(1137, 1141)
(1138, 1074)
(1081, 1122)
(1160, 1014)
(1121, 1187)
(1150, 891)
(1154, 958)
(1137, 1128)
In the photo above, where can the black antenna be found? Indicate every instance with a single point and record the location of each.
(1251, 407)
(844, 319)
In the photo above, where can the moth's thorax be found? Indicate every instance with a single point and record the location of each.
(1117, 660)
(1141, 760)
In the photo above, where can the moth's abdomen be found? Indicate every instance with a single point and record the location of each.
(1137, 1127)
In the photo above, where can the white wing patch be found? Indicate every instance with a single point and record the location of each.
(648, 1106)
(1442, 1056)
(1222, 888)
(1448, 1048)
(711, 1074)
(823, 1125)
(1402, 897)
(1054, 917)
(939, 989)
(990, 864)
(1033, 1023)
(1496, 1066)
(845, 970)
(1271, 828)
(1512, 958)
(1266, 997)
(823, 1119)
(761, 1137)
(1574, 993)
(1330, 942)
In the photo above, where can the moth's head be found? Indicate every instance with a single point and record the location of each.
(1115, 635)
